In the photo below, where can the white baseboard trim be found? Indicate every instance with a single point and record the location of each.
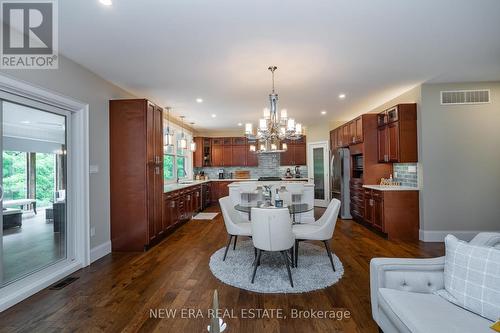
(100, 251)
(439, 235)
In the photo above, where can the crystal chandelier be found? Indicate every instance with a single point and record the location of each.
(273, 129)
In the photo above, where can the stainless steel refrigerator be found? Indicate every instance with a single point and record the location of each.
(340, 174)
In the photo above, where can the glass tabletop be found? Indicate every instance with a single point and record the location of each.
(293, 208)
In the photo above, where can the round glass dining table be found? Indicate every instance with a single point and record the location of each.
(293, 209)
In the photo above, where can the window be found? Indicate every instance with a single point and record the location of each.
(177, 162)
(14, 175)
(181, 169)
(168, 167)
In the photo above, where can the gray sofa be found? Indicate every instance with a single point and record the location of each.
(403, 301)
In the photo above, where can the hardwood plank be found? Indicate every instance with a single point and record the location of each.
(117, 292)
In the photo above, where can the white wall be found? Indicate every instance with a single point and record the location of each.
(460, 163)
(75, 81)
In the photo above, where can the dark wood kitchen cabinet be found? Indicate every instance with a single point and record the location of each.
(198, 155)
(227, 155)
(374, 209)
(136, 172)
(252, 157)
(358, 137)
(171, 210)
(295, 153)
(397, 134)
(217, 153)
(229, 151)
(180, 206)
(395, 213)
(220, 189)
(348, 134)
(240, 151)
(239, 157)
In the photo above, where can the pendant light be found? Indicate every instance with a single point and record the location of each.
(193, 144)
(182, 143)
(169, 136)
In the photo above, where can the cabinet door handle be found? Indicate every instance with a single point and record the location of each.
(157, 170)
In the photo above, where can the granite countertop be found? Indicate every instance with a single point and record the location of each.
(391, 188)
(175, 186)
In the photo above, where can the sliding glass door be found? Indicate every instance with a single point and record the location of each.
(34, 224)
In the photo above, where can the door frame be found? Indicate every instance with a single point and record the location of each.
(78, 177)
(310, 171)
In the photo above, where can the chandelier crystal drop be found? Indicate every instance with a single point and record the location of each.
(273, 128)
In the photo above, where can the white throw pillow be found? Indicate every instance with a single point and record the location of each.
(472, 277)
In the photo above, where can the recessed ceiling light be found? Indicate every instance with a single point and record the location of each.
(342, 96)
(199, 100)
(323, 112)
(25, 122)
(240, 124)
(106, 2)
(214, 115)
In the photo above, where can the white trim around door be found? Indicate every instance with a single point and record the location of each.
(325, 182)
(79, 177)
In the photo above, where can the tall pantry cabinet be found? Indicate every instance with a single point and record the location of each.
(136, 172)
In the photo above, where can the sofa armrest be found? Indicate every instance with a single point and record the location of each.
(414, 275)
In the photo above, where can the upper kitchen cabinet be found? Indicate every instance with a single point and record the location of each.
(217, 152)
(199, 153)
(295, 153)
(348, 134)
(252, 156)
(397, 134)
(227, 151)
(239, 151)
(222, 152)
(358, 135)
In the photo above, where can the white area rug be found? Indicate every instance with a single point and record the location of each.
(314, 271)
(205, 216)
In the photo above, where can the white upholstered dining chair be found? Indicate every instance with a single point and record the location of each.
(272, 232)
(235, 224)
(322, 230)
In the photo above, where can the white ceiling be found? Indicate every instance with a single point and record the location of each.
(175, 51)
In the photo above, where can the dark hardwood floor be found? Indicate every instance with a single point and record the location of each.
(117, 292)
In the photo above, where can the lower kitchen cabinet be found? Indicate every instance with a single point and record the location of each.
(219, 190)
(395, 213)
(181, 205)
(357, 201)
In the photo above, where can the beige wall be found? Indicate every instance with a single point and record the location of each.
(75, 81)
(460, 161)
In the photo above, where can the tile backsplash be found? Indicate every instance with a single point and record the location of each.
(406, 173)
(269, 166)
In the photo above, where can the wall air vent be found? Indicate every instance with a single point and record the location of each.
(465, 97)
